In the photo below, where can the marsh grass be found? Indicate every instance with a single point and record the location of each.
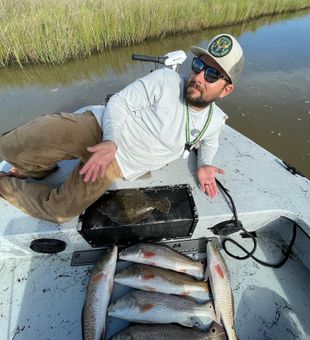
(54, 31)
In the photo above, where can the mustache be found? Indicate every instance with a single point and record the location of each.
(195, 85)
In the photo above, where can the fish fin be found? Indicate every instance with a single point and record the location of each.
(164, 205)
(185, 293)
(233, 302)
(206, 277)
(188, 322)
(217, 309)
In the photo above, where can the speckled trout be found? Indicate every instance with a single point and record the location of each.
(98, 295)
(170, 332)
(150, 307)
(156, 279)
(219, 279)
(164, 257)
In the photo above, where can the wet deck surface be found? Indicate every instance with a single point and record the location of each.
(42, 297)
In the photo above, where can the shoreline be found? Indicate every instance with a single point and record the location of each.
(91, 30)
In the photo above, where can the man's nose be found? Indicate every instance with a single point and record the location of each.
(199, 77)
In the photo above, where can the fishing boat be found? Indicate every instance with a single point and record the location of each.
(45, 267)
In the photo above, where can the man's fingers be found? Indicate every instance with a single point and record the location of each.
(208, 190)
(93, 148)
(84, 168)
(94, 175)
(88, 174)
(219, 170)
(211, 189)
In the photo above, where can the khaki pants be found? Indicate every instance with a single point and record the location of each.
(34, 150)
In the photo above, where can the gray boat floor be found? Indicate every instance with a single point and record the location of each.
(42, 296)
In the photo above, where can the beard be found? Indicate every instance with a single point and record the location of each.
(197, 101)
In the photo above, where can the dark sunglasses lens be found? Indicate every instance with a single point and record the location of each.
(212, 75)
(197, 65)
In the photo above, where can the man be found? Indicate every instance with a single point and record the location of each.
(150, 123)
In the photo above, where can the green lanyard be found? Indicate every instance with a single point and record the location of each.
(188, 144)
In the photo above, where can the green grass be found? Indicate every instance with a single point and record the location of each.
(55, 31)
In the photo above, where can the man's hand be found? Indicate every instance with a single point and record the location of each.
(206, 176)
(103, 154)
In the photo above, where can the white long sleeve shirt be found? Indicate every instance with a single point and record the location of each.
(146, 120)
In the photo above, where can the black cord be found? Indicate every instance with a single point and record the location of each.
(230, 198)
(251, 253)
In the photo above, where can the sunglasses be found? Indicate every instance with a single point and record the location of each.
(211, 74)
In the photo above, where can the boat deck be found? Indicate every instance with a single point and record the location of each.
(42, 295)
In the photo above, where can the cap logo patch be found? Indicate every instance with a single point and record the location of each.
(221, 46)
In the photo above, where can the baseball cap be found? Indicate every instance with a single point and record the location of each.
(225, 50)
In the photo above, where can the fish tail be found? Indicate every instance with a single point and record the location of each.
(164, 205)
(217, 331)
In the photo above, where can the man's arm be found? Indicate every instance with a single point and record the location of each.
(206, 172)
(136, 96)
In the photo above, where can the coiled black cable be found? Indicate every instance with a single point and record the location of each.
(251, 253)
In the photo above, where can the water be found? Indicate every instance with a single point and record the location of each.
(270, 105)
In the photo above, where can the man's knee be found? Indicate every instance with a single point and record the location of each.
(7, 147)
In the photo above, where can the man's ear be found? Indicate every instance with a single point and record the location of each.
(227, 90)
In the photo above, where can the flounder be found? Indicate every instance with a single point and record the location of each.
(130, 206)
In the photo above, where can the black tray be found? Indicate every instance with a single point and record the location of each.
(98, 230)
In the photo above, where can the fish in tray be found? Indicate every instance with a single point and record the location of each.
(130, 206)
(219, 280)
(156, 279)
(164, 257)
(98, 295)
(170, 332)
(150, 307)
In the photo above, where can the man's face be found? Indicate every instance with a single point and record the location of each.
(199, 93)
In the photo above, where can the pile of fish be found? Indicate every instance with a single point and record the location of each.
(169, 290)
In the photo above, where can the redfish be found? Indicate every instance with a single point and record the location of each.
(156, 279)
(170, 332)
(98, 295)
(149, 307)
(219, 280)
(164, 257)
